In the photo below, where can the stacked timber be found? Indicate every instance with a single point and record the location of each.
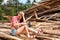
(45, 15)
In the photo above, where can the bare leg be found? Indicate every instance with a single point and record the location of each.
(32, 30)
(26, 29)
(20, 30)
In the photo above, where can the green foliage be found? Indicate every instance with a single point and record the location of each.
(27, 6)
(28, 1)
(1, 11)
(21, 8)
(1, 0)
(34, 0)
(13, 11)
(12, 8)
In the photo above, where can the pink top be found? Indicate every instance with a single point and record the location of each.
(14, 20)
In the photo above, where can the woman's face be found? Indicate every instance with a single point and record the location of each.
(20, 15)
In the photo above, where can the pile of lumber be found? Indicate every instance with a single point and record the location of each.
(45, 15)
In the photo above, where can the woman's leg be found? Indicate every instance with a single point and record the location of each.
(26, 29)
(32, 30)
(20, 30)
(37, 31)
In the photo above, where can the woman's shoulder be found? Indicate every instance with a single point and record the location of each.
(14, 16)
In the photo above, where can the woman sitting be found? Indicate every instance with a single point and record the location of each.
(15, 23)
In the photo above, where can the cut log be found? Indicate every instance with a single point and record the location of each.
(52, 16)
(29, 18)
(35, 7)
(5, 26)
(44, 20)
(8, 31)
(51, 31)
(6, 36)
(50, 38)
(8, 17)
(49, 11)
(35, 14)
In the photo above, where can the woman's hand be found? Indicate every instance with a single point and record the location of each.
(22, 13)
(16, 24)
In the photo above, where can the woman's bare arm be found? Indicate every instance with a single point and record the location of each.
(24, 18)
(20, 23)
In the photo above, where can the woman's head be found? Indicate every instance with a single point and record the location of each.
(20, 14)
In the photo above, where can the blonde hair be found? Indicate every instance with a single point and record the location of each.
(21, 13)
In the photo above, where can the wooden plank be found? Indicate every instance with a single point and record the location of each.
(6, 36)
(49, 11)
(51, 38)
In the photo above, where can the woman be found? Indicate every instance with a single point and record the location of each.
(15, 23)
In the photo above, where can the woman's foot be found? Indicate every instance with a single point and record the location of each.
(22, 35)
(31, 36)
(28, 36)
(39, 31)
